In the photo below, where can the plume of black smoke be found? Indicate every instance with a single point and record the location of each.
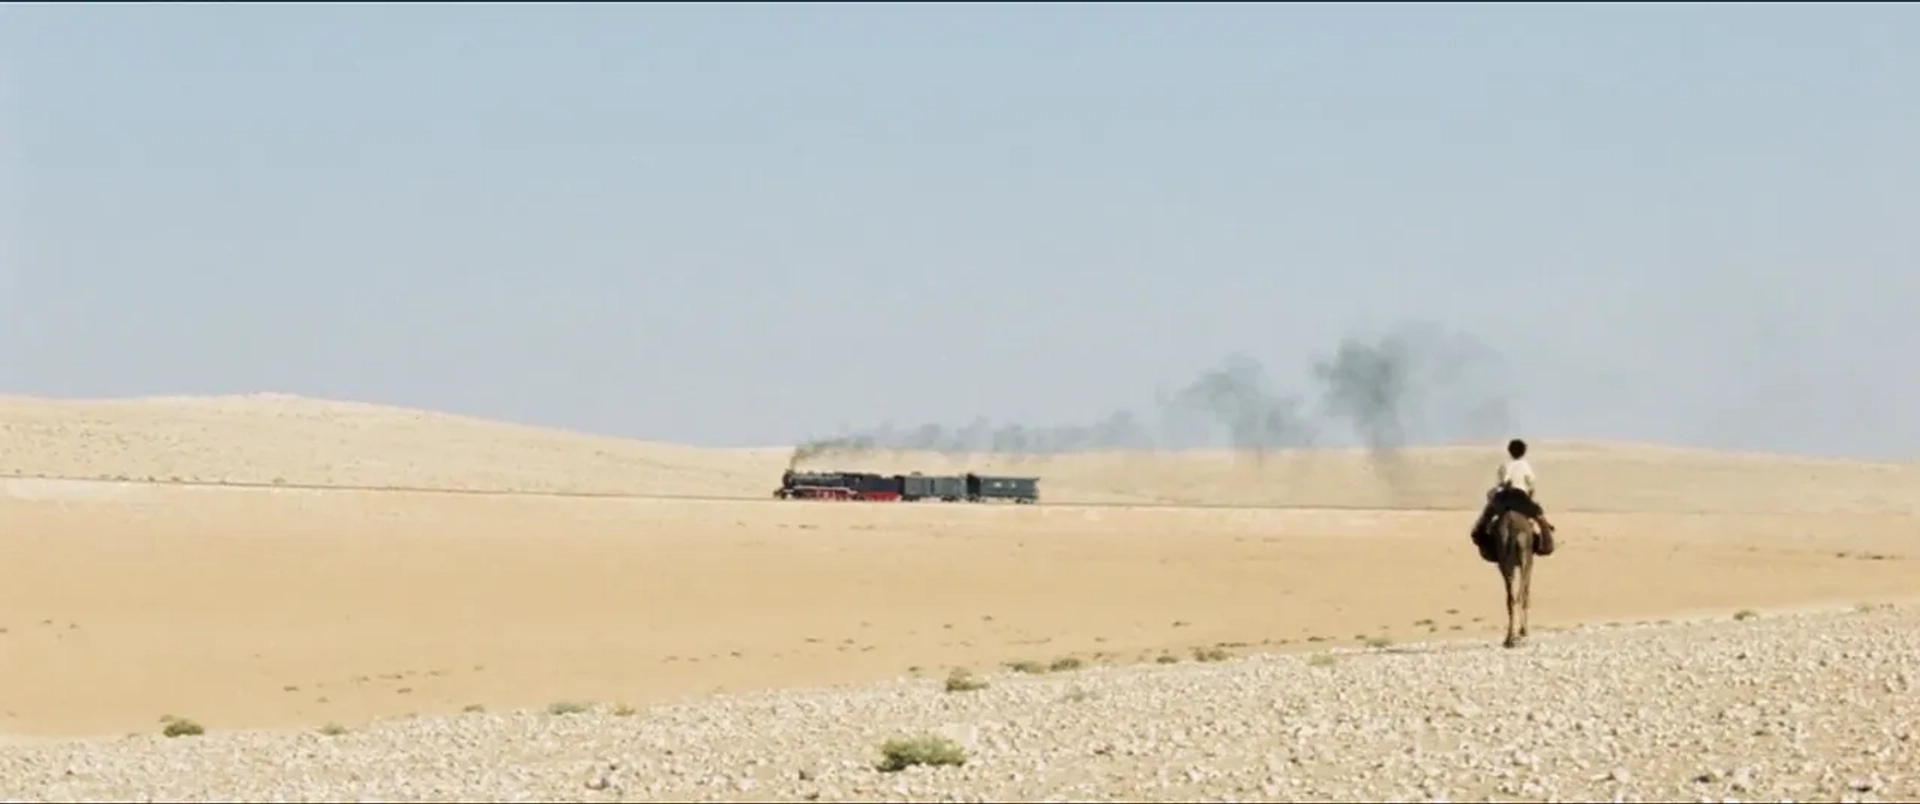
(1413, 382)
(1256, 419)
(1368, 386)
(1120, 430)
(844, 445)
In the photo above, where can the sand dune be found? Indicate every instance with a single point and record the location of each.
(276, 438)
(271, 438)
(125, 601)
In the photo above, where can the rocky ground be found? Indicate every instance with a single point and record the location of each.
(1778, 707)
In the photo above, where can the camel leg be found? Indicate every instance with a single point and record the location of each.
(1526, 590)
(1506, 576)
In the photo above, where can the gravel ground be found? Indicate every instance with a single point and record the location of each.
(1783, 707)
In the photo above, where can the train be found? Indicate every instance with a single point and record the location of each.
(914, 487)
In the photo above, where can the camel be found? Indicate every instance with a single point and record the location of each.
(1516, 543)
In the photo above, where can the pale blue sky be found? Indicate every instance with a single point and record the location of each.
(736, 224)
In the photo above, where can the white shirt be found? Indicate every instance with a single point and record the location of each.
(1518, 474)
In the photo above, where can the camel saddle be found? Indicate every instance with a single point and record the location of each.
(1488, 543)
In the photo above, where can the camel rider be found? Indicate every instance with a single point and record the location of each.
(1514, 489)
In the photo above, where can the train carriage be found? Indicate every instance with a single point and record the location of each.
(983, 488)
(933, 487)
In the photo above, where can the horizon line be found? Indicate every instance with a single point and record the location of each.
(1568, 442)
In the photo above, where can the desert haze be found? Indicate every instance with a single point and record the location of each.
(279, 563)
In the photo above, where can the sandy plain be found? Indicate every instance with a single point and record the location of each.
(176, 557)
(303, 578)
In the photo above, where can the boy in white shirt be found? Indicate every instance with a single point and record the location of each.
(1514, 488)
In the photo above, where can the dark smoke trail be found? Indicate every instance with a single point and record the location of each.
(1414, 382)
(1256, 420)
(846, 445)
(1368, 386)
(926, 438)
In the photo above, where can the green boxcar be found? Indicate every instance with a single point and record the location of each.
(986, 488)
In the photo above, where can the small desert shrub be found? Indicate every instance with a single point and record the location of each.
(568, 707)
(1065, 664)
(181, 727)
(1026, 666)
(900, 754)
(1213, 654)
(1379, 642)
(333, 730)
(1167, 658)
(473, 709)
(960, 680)
(1745, 614)
(624, 710)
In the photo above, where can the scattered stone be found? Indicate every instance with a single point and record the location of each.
(1784, 708)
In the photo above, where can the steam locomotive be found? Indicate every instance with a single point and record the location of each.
(906, 488)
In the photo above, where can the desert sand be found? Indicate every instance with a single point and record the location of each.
(1723, 710)
(273, 562)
